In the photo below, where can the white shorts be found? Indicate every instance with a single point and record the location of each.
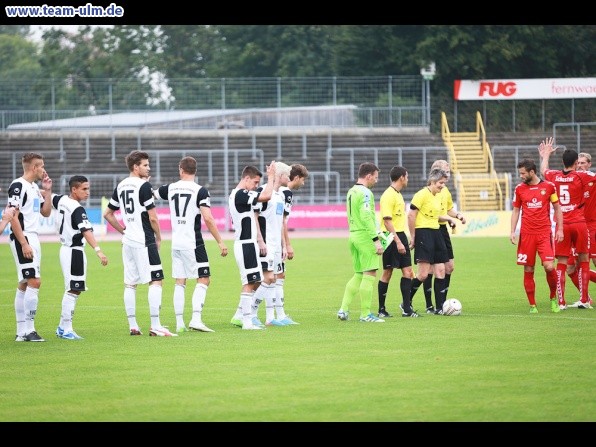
(272, 261)
(27, 268)
(142, 265)
(74, 268)
(190, 264)
(247, 259)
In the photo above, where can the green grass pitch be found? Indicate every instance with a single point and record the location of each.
(495, 362)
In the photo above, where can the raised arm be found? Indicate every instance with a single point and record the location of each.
(545, 149)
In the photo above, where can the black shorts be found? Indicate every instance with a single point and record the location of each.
(430, 246)
(393, 258)
(445, 232)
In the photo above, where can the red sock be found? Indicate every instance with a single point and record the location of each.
(561, 269)
(551, 279)
(575, 278)
(530, 286)
(593, 275)
(584, 274)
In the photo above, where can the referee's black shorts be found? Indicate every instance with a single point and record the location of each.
(430, 246)
(393, 258)
(445, 232)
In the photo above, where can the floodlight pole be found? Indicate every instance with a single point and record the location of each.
(428, 73)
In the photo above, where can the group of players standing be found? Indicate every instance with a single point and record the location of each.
(570, 192)
(259, 216)
(431, 211)
(262, 244)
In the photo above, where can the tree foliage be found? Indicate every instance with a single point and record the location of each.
(136, 57)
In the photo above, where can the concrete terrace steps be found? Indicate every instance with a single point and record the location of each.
(307, 146)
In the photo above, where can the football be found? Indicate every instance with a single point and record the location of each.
(452, 307)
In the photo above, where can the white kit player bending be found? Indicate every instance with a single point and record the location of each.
(75, 229)
(296, 180)
(270, 218)
(189, 202)
(246, 250)
(140, 241)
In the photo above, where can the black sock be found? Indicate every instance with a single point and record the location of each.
(428, 291)
(440, 292)
(382, 289)
(405, 285)
(416, 283)
(447, 282)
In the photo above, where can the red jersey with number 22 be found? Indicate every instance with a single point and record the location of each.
(534, 202)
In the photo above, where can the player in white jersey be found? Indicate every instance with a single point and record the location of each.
(246, 250)
(24, 194)
(189, 202)
(295, 181)
(75, 230)
(270, 217)
(140, 241)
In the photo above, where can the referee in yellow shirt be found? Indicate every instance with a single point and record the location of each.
(430, 251)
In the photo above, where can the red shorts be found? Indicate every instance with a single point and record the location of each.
(575, 235)
(592, 231)
(530, 244)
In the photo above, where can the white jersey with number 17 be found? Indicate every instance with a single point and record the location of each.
(185, 198)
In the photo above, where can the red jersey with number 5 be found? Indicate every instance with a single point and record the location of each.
(571, 187)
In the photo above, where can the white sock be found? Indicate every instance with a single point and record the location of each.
(19, 309)
(279, 299)
(179, 290)
(130, 305)
(30, 307)
(198, 301)
(154, 305)
(245, 303)
(258, 297)
(69, 301)
(270, 303)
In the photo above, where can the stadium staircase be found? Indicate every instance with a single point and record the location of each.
(477, 184)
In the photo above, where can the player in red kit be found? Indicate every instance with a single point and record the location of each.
(571, 186)
(584, 163)
(534, 197)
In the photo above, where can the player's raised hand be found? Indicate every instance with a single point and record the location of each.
(46, 182)
(271, 169)
(546, 147)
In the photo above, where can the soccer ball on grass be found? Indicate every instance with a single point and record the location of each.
(452, 307)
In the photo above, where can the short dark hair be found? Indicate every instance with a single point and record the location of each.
(251, 171)
(528, 164)
(298, 170)
(397, 172)
(135, 158)
(569, 157)
(367, 168)
(76, 180)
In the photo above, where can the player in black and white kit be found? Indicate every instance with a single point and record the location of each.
(295, 181)
(188, 202)
(246, 250)
(75, 229)
(270, 215)
(24, 194)
(140, 242)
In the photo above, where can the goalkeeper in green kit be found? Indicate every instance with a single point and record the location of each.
(365, 245)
